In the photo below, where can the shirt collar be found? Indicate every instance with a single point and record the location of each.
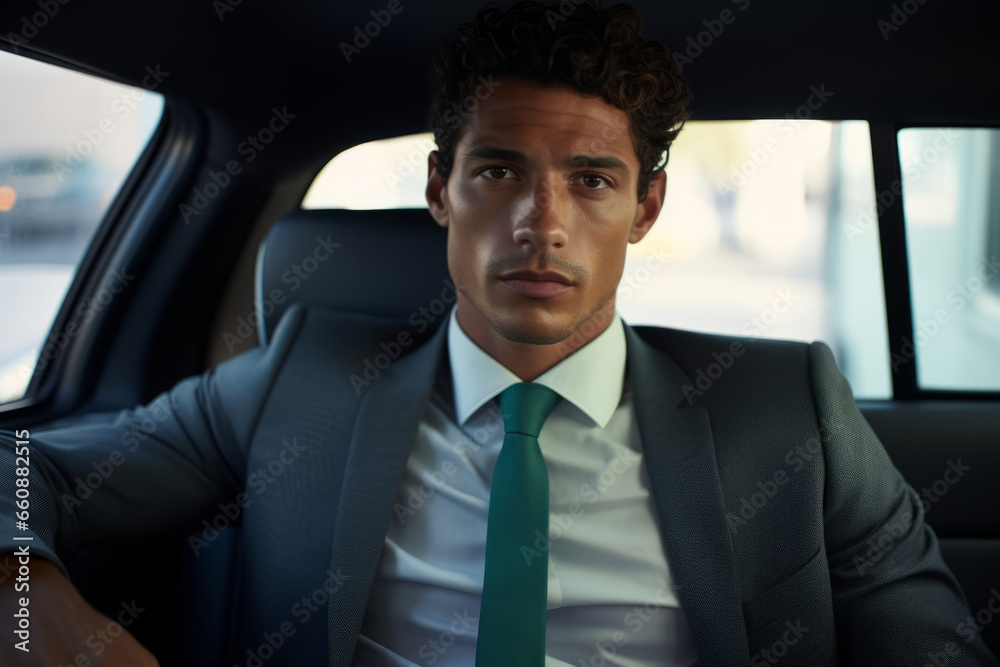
(591, 378)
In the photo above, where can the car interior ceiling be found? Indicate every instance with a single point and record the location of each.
(224, 75)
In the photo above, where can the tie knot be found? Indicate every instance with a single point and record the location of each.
(526, 406)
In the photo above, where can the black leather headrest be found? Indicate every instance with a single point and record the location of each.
(385, 263)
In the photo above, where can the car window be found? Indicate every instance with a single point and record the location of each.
(67, 143)
(952, 212)
(768, 231)
(388, 173)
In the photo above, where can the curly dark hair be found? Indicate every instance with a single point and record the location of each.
(591, 49)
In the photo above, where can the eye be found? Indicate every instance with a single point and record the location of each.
(595, 182)
(497, 173)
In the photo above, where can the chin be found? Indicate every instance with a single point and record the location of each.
(534, 326)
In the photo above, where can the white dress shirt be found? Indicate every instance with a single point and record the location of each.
(611, 600)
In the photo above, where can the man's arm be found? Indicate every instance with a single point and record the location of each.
(146, 471)
(895, 600)
(61, 622)
(149, 471)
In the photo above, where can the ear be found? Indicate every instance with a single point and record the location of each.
(436, 192)
(648, 209)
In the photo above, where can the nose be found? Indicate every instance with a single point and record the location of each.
(541, 217)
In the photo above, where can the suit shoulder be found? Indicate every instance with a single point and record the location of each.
(738, 373)
(693, 349)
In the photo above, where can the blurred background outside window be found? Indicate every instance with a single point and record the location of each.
(952, 208)
(67, 143)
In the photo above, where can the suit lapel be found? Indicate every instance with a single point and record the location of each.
(383, 436)
(680, 459)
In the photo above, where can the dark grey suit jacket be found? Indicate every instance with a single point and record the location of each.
(791, 536)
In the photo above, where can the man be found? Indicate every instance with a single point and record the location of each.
(374, 543)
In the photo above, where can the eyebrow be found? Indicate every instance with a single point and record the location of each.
(494, 153)
(597, 161)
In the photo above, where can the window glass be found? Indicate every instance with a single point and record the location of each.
(67, 143)
(952, 211)
(768, 231)
(389, 173)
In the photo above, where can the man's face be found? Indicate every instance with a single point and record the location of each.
(540, 206)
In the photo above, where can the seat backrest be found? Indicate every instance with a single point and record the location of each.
(380, 263)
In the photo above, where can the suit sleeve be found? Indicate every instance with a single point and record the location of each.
(895, 600)
(147, 471)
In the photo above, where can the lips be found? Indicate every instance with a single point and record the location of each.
(540, 284)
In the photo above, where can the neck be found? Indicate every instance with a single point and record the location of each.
(525, 360)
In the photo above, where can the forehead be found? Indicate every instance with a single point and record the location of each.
(525, 112)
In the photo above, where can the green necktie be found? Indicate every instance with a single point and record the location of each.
(515, 585)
